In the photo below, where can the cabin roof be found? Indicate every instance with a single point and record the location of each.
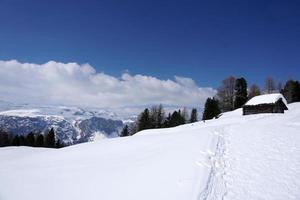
(266, 99)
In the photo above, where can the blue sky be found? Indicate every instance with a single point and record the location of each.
(203, 40)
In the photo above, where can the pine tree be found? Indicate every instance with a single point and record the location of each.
(16, 141)
(181, 117)
(125, 131)
(240, 93)
(4, 139)
(145, 122)
(30, 140)
(59, 144)
(22, 140)
(297, 92)
(176, 119)
(40, 140)
(50, 139)
(166, 123)
(194, 116)
(291, 91)
(211, 109)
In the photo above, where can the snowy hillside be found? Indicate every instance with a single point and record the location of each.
(233, 157)
(72, 124)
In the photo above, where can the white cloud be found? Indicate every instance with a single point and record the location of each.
(74, 84)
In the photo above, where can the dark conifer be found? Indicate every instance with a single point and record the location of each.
(39, 140)
(22, 140)
(144, 121)
(4, 139)
(125, 131)
(211, 109)
(59, 144)
(30, 139)
(176, 119)
(240, 93)
(166, 123)
(50, 139)
(16, 141)
(291, 91)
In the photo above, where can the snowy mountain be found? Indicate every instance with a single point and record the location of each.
(233, 157)
(71, 124)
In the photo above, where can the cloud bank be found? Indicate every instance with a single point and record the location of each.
(75, 84)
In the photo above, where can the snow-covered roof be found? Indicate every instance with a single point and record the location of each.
(265, 99)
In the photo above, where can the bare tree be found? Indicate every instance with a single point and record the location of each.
(157, 115)
(185, 114)
(253, 91)
(132, 128)
(270, 85)
(279, 87)
(225, 94)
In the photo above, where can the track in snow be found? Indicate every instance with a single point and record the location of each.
(216, 187)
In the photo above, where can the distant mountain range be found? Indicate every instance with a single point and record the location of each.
(71, 124)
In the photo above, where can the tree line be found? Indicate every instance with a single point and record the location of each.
(232, 94)
(31, 139)
(156, 117)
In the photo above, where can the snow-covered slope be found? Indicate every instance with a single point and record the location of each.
(72, 124)
(233, 157)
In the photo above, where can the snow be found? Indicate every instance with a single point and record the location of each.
(265, 99)
(233, 157)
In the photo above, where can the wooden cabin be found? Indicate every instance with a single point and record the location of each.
(268, 103)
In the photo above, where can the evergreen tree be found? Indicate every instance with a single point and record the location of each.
(50, 139)
(166, 123)
(297, 91)
(144, 122)
(22, 140)
(59, 144)
(125, 131)
(16, 141)
(181, 117)
(176, 119)
(194, 116)
(30, 140)
(4, 139)
(240, 93)
(291, 91)
(211, 109)
(40, 140)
